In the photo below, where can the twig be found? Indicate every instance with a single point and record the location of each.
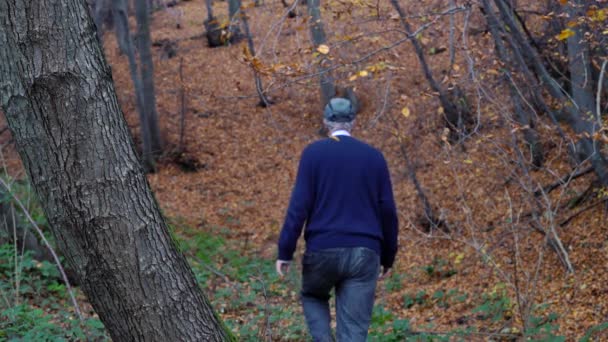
(386, 94)
(212, 269)
(562, 181)
(182, 114)
(264, 101)
(268, 328)
(571, 217)
(599, 94)
(360, 59)
(48, 245)
(452, 40)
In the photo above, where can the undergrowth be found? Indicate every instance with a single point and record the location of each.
(255, 304)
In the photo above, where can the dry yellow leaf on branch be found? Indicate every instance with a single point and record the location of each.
(406, 112)
(324, 49)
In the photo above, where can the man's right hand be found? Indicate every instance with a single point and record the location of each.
(385, 273)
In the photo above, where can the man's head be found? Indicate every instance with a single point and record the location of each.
(339, 115)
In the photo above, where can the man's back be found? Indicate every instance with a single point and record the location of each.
(343, 193)
(346, 175)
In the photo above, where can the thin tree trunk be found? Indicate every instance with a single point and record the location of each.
(455, 114)
(328, 89)
(101, 13)
(579, 63)
(431, 219)
(147, 74)
(522, 115)
(124, 40)
(182, 110)
(57, 93)
(234, 8)
(264, 102)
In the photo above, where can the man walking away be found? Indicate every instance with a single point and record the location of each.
(343, 192)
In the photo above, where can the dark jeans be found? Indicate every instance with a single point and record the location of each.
(353, 272)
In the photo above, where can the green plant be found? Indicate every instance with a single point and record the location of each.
(439, 268)
(420, 298)
(594, 330)
(495, 304)
(33, 304)
(394, 282)
(543, 329)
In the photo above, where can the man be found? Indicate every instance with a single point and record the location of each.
(343, 192)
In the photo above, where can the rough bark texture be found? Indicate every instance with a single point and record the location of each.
(57, 93)
(147, 74)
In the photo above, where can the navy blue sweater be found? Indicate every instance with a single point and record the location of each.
(343, 192)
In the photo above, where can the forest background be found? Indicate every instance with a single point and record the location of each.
(491, 116)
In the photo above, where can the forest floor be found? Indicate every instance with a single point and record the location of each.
(484, 273)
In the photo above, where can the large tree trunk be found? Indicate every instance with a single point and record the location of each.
(146, 66)
(57, 94)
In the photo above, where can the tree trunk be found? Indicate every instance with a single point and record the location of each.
(522, 115)
(147, 75)
(124, 40)
(102, 15)
(328, 89)
(581, 124)
(264, 101)
(579, 64)
(234, 8)
(456, 112)
(57, 93)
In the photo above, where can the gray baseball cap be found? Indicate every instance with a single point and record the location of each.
(339, 109)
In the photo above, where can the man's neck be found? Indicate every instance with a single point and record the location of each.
(340, 132)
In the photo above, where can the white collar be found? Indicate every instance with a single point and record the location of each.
(340, 132)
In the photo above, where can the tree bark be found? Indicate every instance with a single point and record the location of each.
(57, 93)
(146, 66)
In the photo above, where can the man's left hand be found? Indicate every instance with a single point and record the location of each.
(385, 273)
(282, 266)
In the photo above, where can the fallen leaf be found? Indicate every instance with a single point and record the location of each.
(565, 34)
(324, 49)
